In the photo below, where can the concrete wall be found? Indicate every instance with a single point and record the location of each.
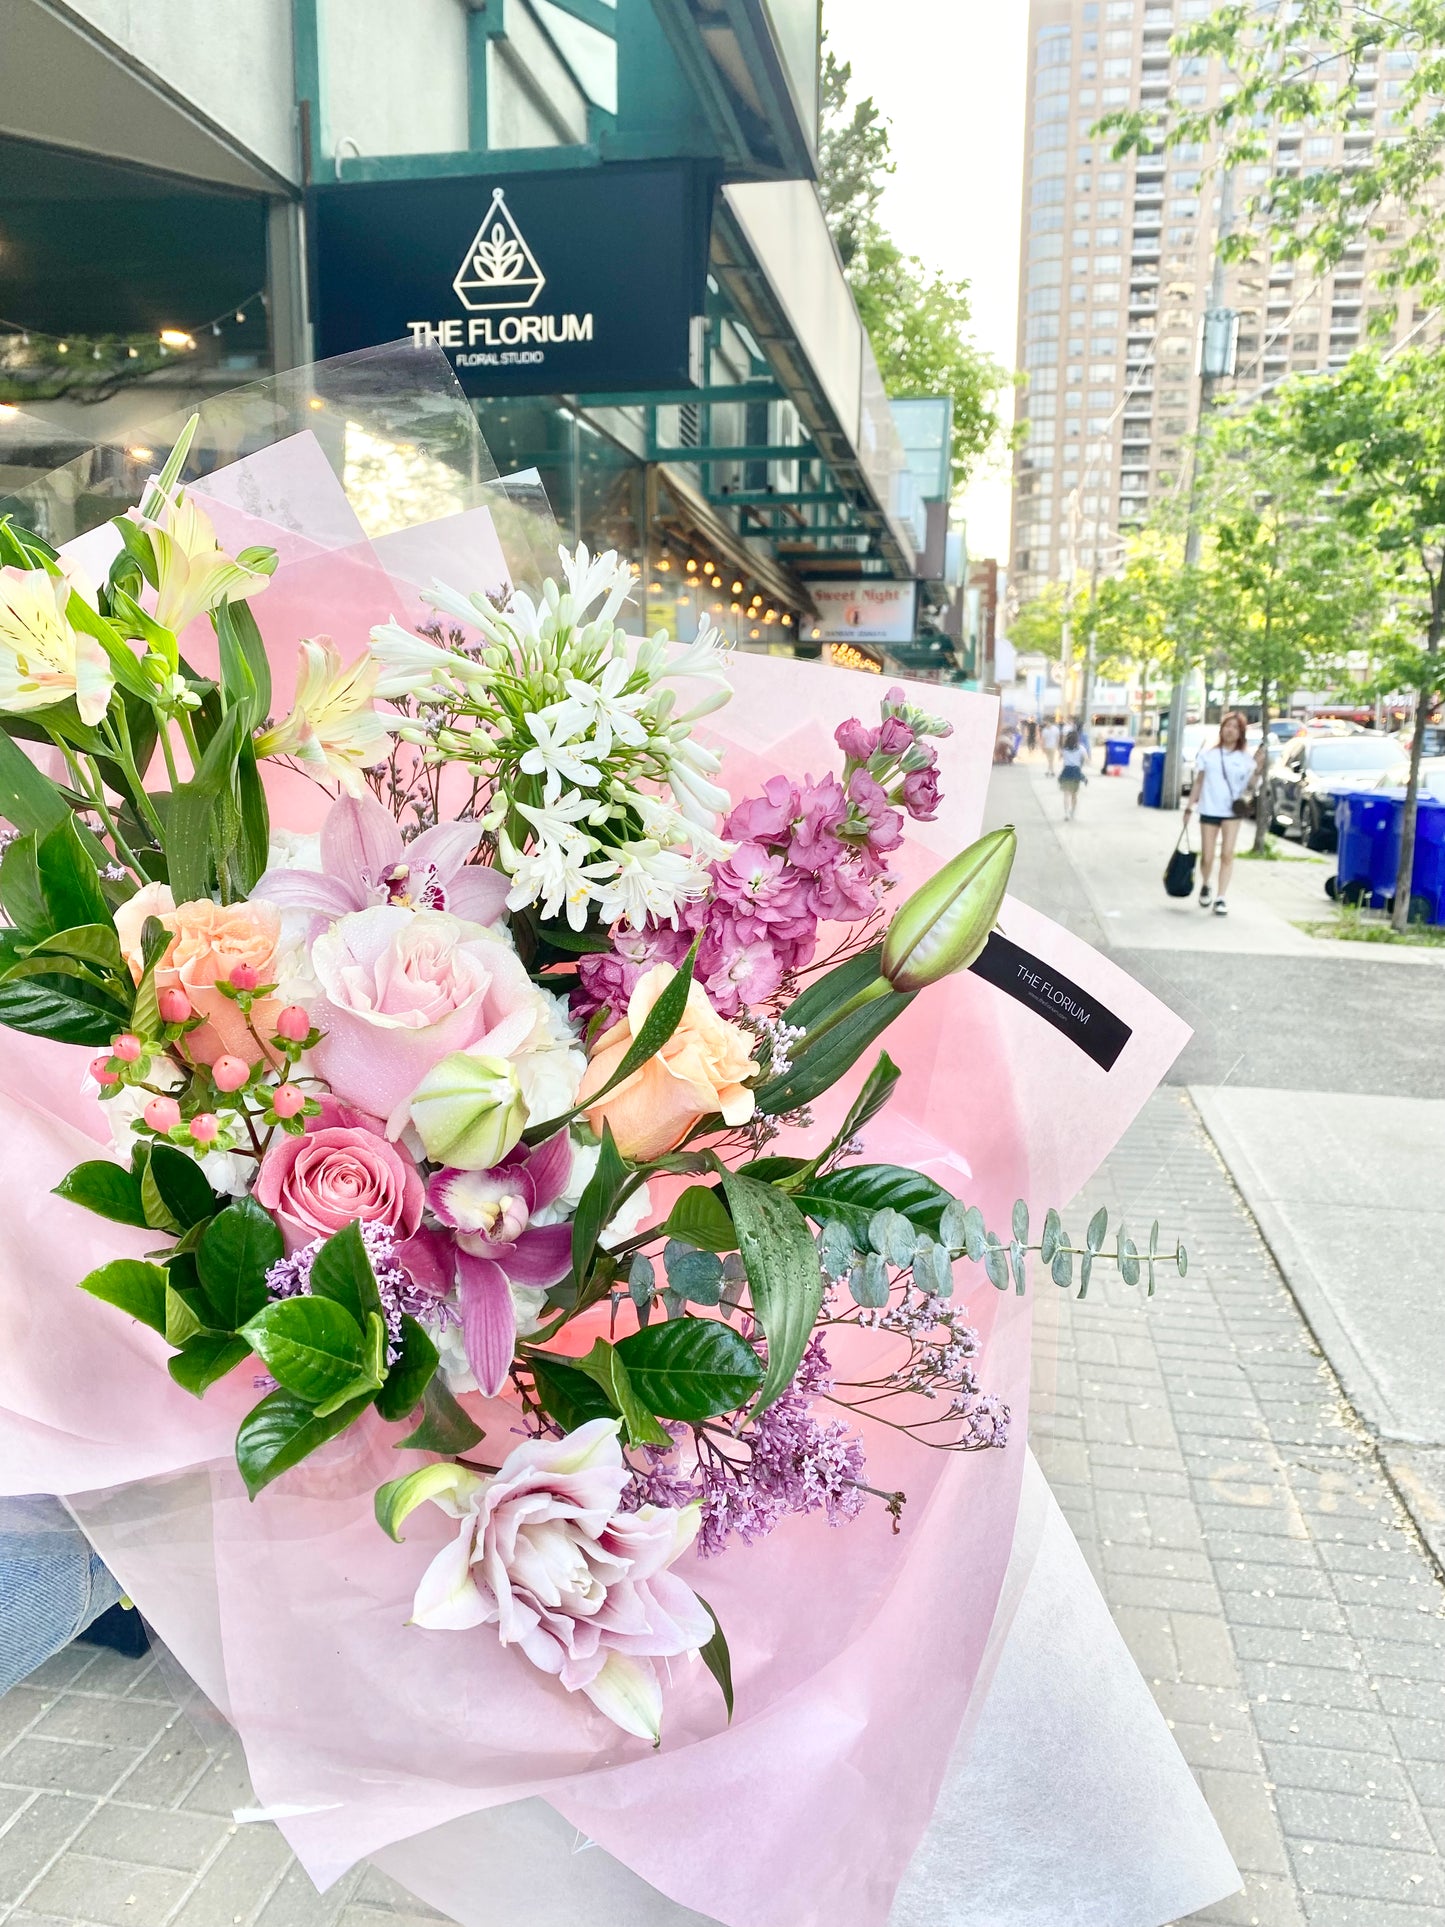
(394, 77)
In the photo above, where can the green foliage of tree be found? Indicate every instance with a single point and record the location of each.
(1308, 65)
(1374, 436)
(918, 320)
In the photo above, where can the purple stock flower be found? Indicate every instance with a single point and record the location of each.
(489, 1243)
(921, 793)
(364, 861)
(856, 740)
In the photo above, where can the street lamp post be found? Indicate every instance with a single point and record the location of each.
(1216, 363)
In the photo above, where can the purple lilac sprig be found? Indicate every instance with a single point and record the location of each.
(290, 1277)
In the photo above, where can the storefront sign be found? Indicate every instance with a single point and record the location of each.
(864, 611)
(563, 281)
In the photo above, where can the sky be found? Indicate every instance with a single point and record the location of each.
(949, 75)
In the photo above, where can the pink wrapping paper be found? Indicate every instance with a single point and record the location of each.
(855, 1651)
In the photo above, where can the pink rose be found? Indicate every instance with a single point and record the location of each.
(547, 1555)
(340, 1171)
(402, 989)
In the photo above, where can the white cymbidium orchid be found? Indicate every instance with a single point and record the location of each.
(43, 658)
(334, 729)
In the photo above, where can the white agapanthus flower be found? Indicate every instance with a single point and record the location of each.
(410, 664)
(605, 708)
(556, 755)
(558, 875)
(650, 883)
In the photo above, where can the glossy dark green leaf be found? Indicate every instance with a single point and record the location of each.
(661, 1021)
(717, 1659)
(311, 1346)
(700, 1218)
(605, 1366)
(852, 1194)
(342, 1271)
(280, 1432)
(408, 1377)
(817, 1067)
(878, 1087)
(20, 893)
(132, 1286)
(91, 943)
(691, 1368)
(61, 1009)
(834, 989)
(204, 1359)
(597, 1205)
(182, 1185)
(785, 1276)
(107, 1189)
(68, 879)
(567, 1395)
(237, 1249)
(445, 1426)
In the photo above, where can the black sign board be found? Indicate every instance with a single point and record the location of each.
(1076, 1012)
(563, 281)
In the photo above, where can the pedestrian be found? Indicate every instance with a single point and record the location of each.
(1071, 772)
(1049, 737)
(1031, 731)
(1225, 775)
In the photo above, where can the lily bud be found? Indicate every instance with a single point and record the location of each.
(469, 1111)
(943, 926)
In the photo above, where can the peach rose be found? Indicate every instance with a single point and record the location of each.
(700, 1069)
(208, 940)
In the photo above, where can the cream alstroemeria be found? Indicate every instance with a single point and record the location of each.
(42, 658)
(334, 731)
(194, 574)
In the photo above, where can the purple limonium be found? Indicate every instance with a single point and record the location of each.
(400, 1294)
(488, 1242)
(364, 861)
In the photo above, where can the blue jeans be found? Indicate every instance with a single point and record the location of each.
(51, 1584)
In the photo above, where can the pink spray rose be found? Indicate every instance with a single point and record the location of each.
(402, 989)
(547, 1556)
(341, 1170)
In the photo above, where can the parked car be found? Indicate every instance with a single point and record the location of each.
(1302, 783)
(1432, 776)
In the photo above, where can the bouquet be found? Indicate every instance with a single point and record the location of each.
(515, 1117)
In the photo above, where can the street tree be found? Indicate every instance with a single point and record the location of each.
(917, 319)
(1316, 64)
(1374, 437)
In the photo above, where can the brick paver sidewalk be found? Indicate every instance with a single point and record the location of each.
(1238, 1518)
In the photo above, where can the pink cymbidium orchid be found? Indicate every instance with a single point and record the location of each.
(364, 862)
(489, 1243)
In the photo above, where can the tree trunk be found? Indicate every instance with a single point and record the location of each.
(1405, 874)
(1261, 801)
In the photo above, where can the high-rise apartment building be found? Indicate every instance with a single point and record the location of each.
(1115, 271)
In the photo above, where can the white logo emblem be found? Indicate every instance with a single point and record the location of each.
(500, 270)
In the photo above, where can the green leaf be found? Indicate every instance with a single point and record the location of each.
(878, 1087)
(245, 669)
(370, 1378)
(975, 1234)
(716, 1657)
(237, 1249)
(28, 800)
(1128, 1259)
(604, 1365)
(20, 894)
(1086, 1272)
(94, 943)
(830, 992)
(661, 1021)
(182, 1322)
(408, 1378)
(1181, 1259)
(1098, 1225)
(597, 1205)
(62, 1010)
(158, 1213)
(851, 1195)
(445, 1427)
(205, 1358)
(68, 879)
(567, 1395)
(254, 847)
(1052, 1237)
(892, 1236)
(933, 1269)
(995, 1263)
(576, 943)
(107, 1189)
(1061, 1267)
(785, 1277)
(693, 1275)
(132, 1286)
(182, 1185)
(311, 1346)
(155, 942)
(1020, 1222)
(817, 1067)
(197, 829)
(691, 1368)
(1018, 1258)
(342, 1272)
(399, 1498)
(771, 1170)
(700, 1218)
(280, 1432)
(868, 1282)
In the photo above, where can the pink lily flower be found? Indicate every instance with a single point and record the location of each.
(364, 862)
(490, 1243)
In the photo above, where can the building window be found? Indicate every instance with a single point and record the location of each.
(1047, 247)
(1114, 97)
(1046, 220)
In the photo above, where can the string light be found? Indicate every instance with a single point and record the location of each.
(663, 566)
(176, 338)
(737, 588)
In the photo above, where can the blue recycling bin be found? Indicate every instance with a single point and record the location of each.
(1368, 823)
(1428, 880)
(1152, 794)
(1117, 751)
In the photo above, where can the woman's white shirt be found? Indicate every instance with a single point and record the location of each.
(1226, 774)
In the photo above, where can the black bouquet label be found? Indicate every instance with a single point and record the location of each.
(1069, 1008)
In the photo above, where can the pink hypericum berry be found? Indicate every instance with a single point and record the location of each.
(127, 1047)
(287, 1100)
(206, 1128)
(244, 976)
(293, 1024)
(163, 1114)
(174, 1005)
(100, 1069)
(230, 1073)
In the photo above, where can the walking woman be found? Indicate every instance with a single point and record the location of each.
(1225, 774)
(1071, 772)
